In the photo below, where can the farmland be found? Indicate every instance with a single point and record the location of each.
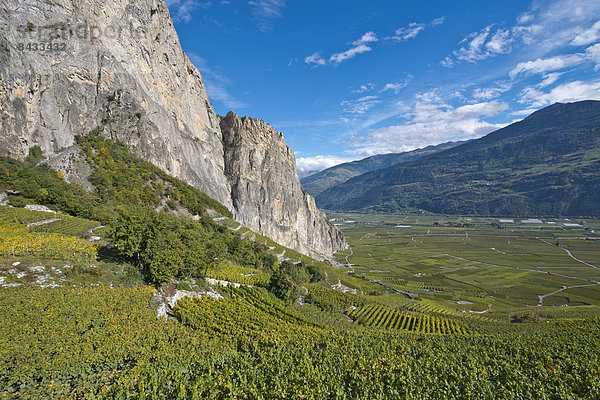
(475, 265)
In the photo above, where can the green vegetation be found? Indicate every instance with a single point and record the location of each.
(547, 164)
(106, 343)
(129, 198)
(421, 306)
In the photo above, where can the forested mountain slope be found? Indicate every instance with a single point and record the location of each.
(549, 163)
(323, 180)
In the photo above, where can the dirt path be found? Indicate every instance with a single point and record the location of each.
(542, 297)
(570, 254)
(44, 222)
(505, 266)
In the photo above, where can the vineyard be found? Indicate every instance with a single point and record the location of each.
(106, 343)
(68, 226)
(385, 317)
(234, 273)
(18, 240)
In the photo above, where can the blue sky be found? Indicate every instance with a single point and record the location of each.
(346, 79)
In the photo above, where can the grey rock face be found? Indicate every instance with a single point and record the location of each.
(118, 65)
(266, 192)
(122, 67)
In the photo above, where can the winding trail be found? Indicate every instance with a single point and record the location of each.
(504, 266)
(542, 297)
(570, 254)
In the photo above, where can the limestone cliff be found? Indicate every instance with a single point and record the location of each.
(115, 63)
(118, 64)
(266, 191)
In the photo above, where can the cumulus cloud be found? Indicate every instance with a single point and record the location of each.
(315, 59)
(216, 83)
(565, 93)
(366, 38)
(363, 88)
(339, 58)
(588, 36)
(404, 34)
(394, 86)
(593, 53)
(265, 11)
(483, 44)
(542, 65)
(306, 165)
(358, 47)
(431, 122)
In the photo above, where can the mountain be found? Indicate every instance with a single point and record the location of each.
(330, 177)
(546, 164)
(265, 187)
(117, 66)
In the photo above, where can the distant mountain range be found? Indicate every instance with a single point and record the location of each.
(330, 177)
(546, 164)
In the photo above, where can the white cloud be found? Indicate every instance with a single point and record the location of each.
(265, 11)
(438, 21)
(431, 122)
(359, 46)
(481, 45)
(565, 93)
(364, 88)
(395, 87)
(360, 106)
(588, 36)
(410, 32)
(319, 163)
(315, 59)
(181, 10)
(366, 38)
(542, 65)
(491, 92)
(474, 50)
(447, 62)
(338, 58)
(216, 83)
(593, 52)
(547, 26)
(549, 79)
(525, 18)
(500, 42)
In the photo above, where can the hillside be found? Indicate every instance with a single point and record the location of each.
(323, 180)
(548, 163)
(135, 84)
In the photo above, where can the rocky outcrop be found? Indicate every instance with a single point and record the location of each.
(118, 65)
(266, 192)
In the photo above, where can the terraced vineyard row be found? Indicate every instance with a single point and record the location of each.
(46, 246)
(415, 284)
(13, 215)
(385, 317)
(245, 276)
(68, 226)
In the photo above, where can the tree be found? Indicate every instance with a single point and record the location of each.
(282, 286)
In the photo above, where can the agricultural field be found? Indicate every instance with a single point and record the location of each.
(427, 309)
(473, 265)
